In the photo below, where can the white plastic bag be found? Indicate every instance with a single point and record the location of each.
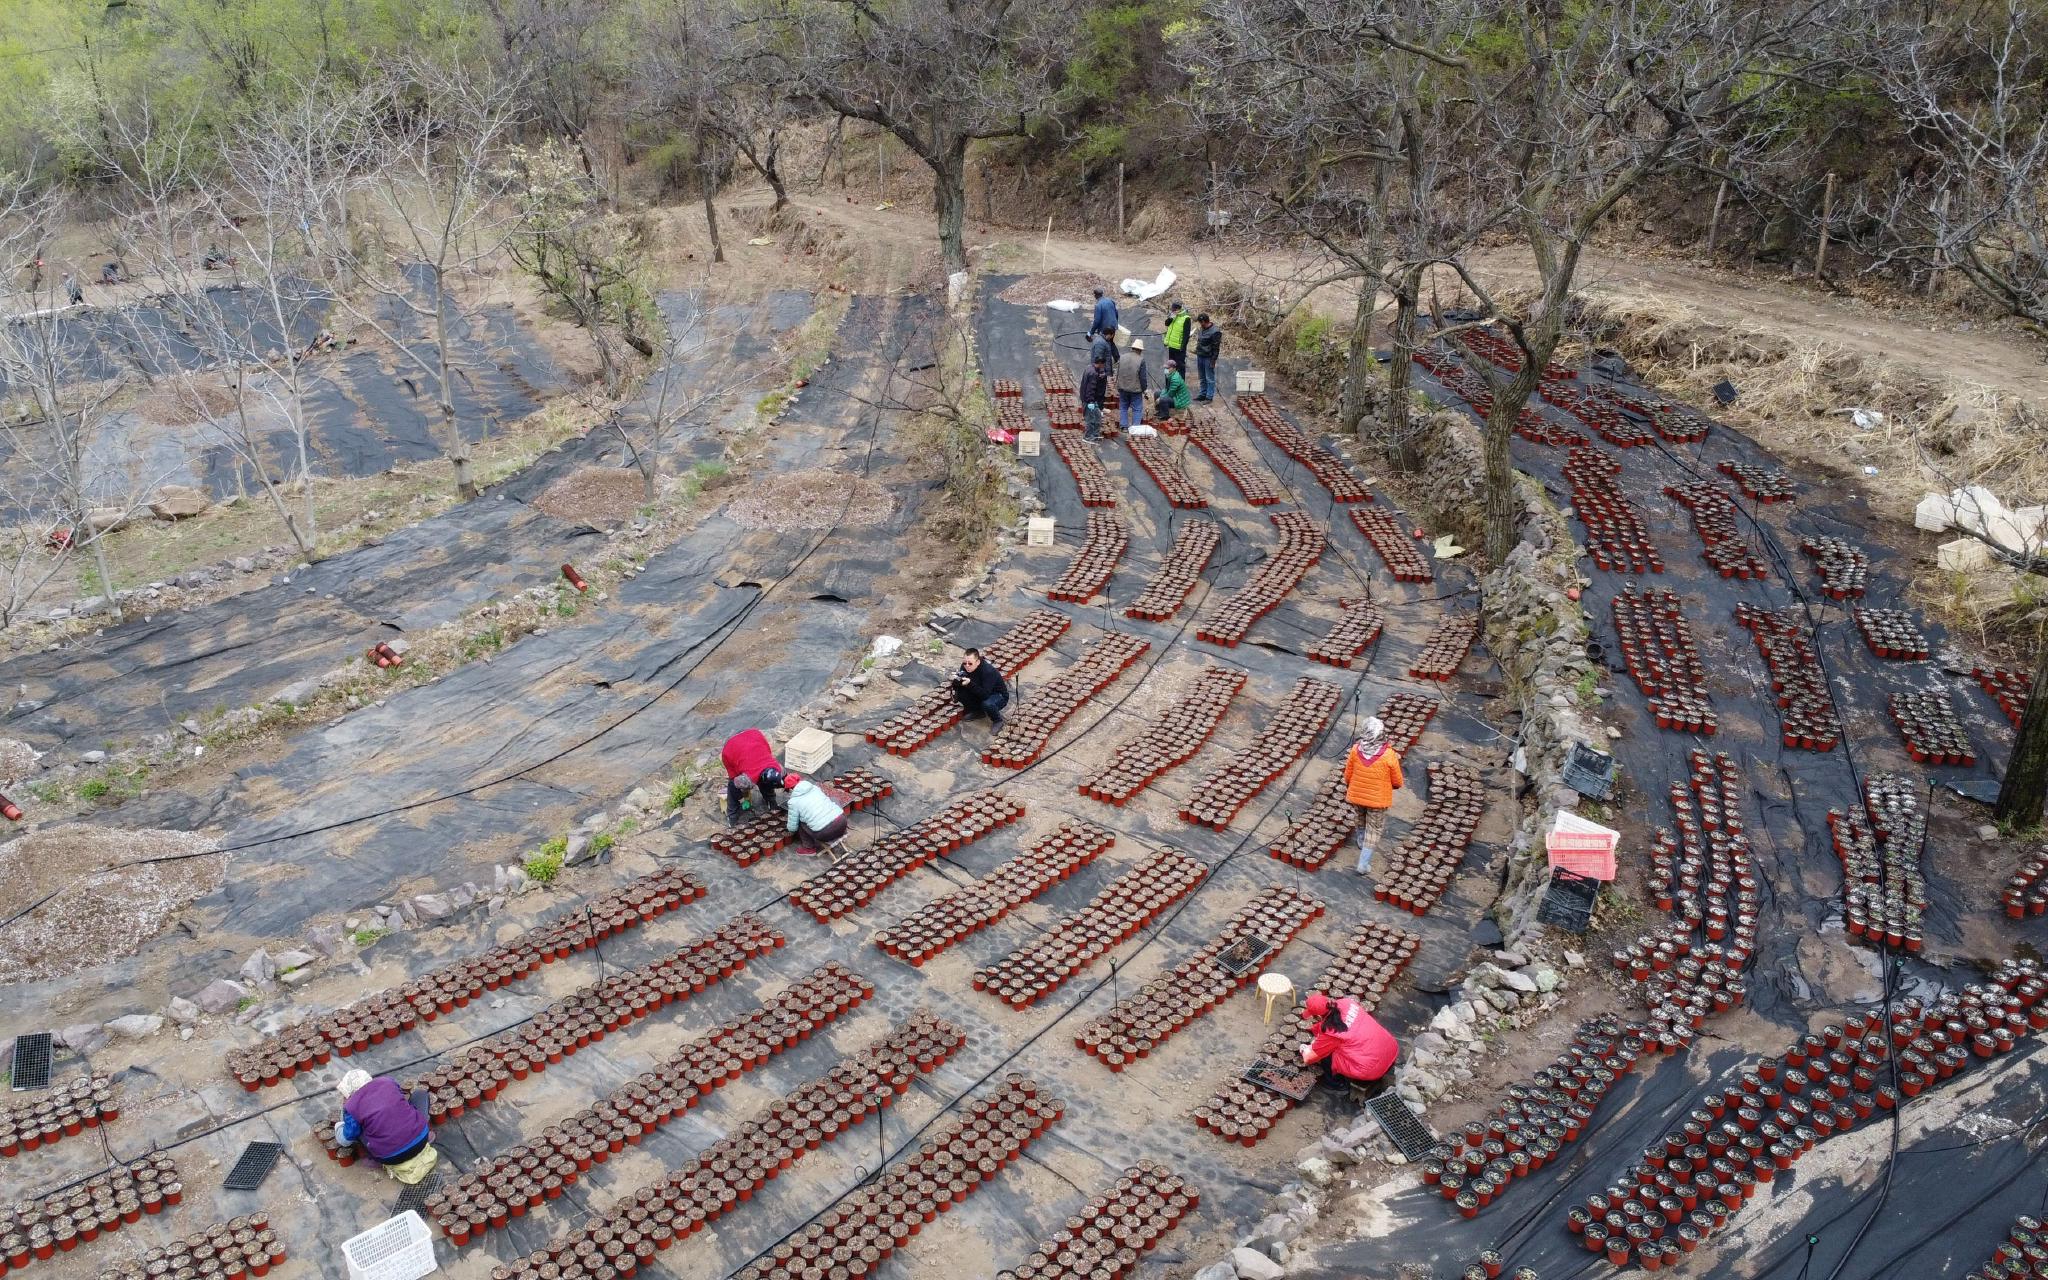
(1145, 291)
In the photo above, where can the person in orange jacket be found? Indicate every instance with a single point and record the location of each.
(1372, 773)
(1360, 1050)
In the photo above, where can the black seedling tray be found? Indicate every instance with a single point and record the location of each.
(1589, 772)
(1238, 958)
(32, 1061)
(1568, 904)
(1289, 1082)
(415, 1197)
(1403, 1127)
(254, 1166)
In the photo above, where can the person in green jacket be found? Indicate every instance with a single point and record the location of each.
(1178, 326)
(1174, 396)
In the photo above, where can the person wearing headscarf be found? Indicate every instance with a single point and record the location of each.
(390, 1127)
(1358, 1049)
(749, 763)
(1372, 773)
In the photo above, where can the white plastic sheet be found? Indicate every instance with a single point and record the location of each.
(1145, 291)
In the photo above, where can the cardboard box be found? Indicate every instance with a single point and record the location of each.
(1038, 531)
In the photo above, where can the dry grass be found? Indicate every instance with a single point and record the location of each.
(810, 500)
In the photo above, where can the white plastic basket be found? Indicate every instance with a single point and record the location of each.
(399, 1248)
(809, 750)
(1251, 381)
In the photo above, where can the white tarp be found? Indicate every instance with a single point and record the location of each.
(1145, 291)
(1064, 304)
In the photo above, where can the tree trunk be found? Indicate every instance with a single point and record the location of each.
(1356, 399)
(949, 202)
(2025, 789)
(708, 180)
(1500, 473)
(1400, 373)
(458, 448)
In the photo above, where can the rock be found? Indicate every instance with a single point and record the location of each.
(136, 1025)
(293, 977)
(190, 726)
(399, 645)
(1430, 1042)
(1510, 959)
(294, 959)
(1520, 983)
(1318, 1171)
(1500, 998)
(462, 897)
(1484, 977)
(1277, 1226)
(182, 1011)
(326, 940)
(1217, 1271)
(1575, 960)
(578, 851)
(639, 798)
(1250, 1264)
(1613, 732)
(179, 502)
(82, 1036)
(298, 693)
(433, 906)
(1546, 978)
(259, 969)
(1429, 1086)
(1987, 832)
(106, 519)
(92, 757)
(242, 564)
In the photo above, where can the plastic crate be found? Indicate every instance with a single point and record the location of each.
(399, 1248)
(809, 750)
(1251, 381)
(1582, 847)
(1568, 902)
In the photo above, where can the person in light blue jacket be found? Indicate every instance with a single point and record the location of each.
(817, 822)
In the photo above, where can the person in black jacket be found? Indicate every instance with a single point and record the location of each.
(1208, 346)
(1094, 390)
(981, 689)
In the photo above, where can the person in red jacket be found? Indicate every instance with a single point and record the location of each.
(749, 763)
(1359, 1050)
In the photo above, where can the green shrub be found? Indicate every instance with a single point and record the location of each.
(680, 791)
(543, 865)
(94, 788)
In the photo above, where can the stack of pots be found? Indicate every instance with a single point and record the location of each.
(1691, 1182)
(937, 711)
(1884, 894)
(508, 1185)
(1006, 389)
(1536, 1120)
(1357, 627)
(1658, 650)
(1760, 484)
(1927, 720)
(1615, 533)
(106, 1202)
(939, 924)
(1302, 542)
(1247, 475)
(1844, 569)
(2026, 894)
(1406, 715)
(476, 1075)
(2009, 688)
(1679, 424)
(857, 1235)
(1063, 413)
(1393, 543)
(1028, 727)
(1808, 721)
(1175, 736)
(1416, 874)
(1090, 476)
(1320, 830)
(1241, 1112)
(1089, 571)
(375, 1018)
(63, 1112)
(1157, 460)
(1598, 412)
(1056, 378)
(730, 1171)
(1893, 634)
(2022, 1255)
(853, 882)
(1167, 589)
(1713, 518)
(1011, 417)
(1104, 1239)
(1146, 1019)
(1444, 652)
(224, 1251)
(1130, 902)
(1328, 469)
(1287, 734)
(765, 833)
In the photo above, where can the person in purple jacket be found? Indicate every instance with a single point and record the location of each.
(390, 1127)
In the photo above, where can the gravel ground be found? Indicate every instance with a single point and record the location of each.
(17, 761)
(1036, 291)
(600, 495)
(104, 908)
(810, 500)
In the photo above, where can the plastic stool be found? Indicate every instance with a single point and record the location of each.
(1273, 988)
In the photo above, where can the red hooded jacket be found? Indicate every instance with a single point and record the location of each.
(748, 752)
(1364, 1050)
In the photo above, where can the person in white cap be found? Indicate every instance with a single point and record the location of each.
(1131, 385)
(1372, 773)
(390, 1127)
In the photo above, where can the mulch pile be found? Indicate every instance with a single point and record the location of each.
(1048, 286)
(810, 500)
(105, 907)
(598, 495)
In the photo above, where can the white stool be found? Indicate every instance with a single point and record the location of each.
(1273, 988)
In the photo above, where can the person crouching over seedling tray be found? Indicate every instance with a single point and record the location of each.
(1360, 1052)
(815, 818)
(390, 1127)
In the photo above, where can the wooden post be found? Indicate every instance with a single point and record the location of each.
(1827, 213)
(1714, 223)
(1046, 248)
(1119, 199)
(1210, 203)
(1940, 256)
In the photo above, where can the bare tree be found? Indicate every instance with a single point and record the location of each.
(708, 67)
(691, 378)
(937, 74)
(561, 53)
(439, 196)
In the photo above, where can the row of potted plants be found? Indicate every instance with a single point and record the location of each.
(1892, 633)
(1121, 908)
(2010, 689)
(1326, 466)
(38, 1230)
(1599, 410)
(45, 1119)
(1927, 721)
(1758, 484)
(1615, 533)
(1302, 542)
(1844, 568)
(1807, 721)
(1444, 652)
(1098, 488)
(1463, 383)
(1395, 544)
(1158, 462)
(853, 882)
(1658, 651)
(971, 908)
(506, 1186)
(393, 1011)
(245, 1246)
(1884, 894)
(1105, 1238)
(1420, 868)
(1151, 1015)
(1286, 736)
(938, 710)
(2026, 893)
(1355, 629)
(1090, 569)
(1320, 829)
(1028, 728)
(1251, 479)
(1194, 544)
(1714, 520)
(1179, 732)
(2022, 1255)
(766, 832)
